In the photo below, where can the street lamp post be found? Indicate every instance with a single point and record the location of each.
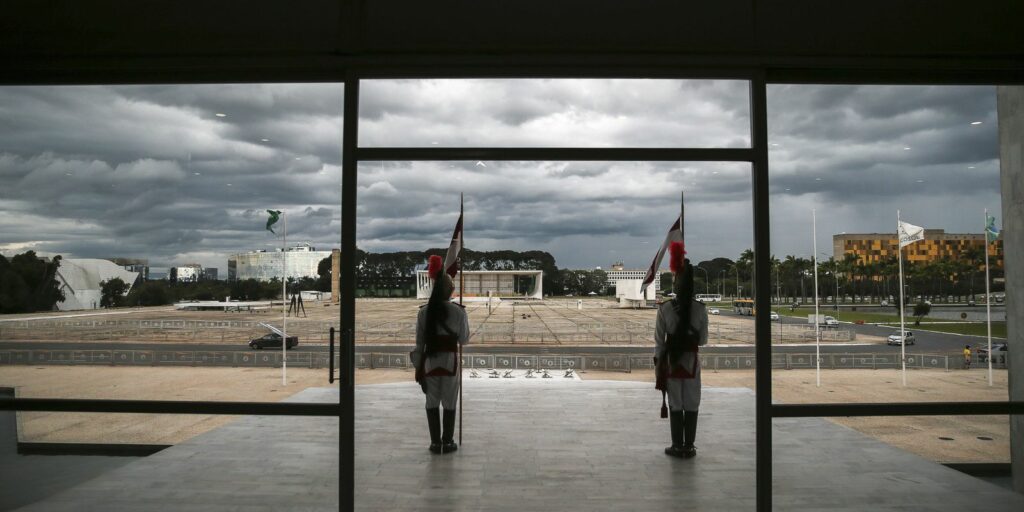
(737, 267)
(835, 276)
(706, 279)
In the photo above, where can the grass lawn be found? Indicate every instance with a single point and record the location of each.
(845, 315)
(971, 329)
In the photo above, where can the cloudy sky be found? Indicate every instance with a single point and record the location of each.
(183, 173)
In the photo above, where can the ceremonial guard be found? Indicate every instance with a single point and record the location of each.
(681, 327)
(441, 327)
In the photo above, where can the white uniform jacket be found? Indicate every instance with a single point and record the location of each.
(667, 322)
(457, 322)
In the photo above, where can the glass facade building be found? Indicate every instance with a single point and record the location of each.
(303, 260)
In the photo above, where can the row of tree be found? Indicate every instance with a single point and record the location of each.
(401, 266)
(793, 276)
(29, 283)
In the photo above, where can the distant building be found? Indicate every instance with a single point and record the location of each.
(500, 283)
(937, 244)
(81, 281)
(618, 272)
(210, 274)
(140, 265)
(188, 273)
(303, 260)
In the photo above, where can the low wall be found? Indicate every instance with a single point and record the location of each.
(511, 360)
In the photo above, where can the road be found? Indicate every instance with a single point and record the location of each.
(929, 342)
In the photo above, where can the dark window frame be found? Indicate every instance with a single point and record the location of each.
(756, 154)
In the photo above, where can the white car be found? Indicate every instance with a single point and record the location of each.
(896, 339)
(774, 316)
(714, 311)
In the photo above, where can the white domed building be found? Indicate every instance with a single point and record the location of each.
(80, 280)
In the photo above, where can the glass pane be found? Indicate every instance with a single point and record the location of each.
(136, 264)
(554, 113)
(858, 156)
(591, 229)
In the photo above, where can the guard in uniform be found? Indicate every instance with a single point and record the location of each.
(681, 327)
(441, 327)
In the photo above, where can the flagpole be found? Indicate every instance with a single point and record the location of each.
(462, 292)
(817, 317)
(903, 333)
(988, 303)
(284, 303)
(682, 211)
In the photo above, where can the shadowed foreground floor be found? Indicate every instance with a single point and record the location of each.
(550, 444)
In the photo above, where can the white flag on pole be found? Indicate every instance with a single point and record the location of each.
(909, 233)
(451, 259)
(675, 234)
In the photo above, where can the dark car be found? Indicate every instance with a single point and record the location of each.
(272, 340)
(999, 351)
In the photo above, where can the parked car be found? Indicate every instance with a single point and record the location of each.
(272, 339)
(999, 353)
(714, 311)
(884, 303)
(774, 316)
(896, 339)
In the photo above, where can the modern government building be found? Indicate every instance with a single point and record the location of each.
(263, 265)
(937, 244)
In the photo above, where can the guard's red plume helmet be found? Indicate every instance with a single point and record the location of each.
(676, 252)
(434, 266)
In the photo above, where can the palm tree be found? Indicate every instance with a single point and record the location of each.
(745, 265)
(975, 257)
(848, 266)
(831, 267)
(889, 269)
(775, 264)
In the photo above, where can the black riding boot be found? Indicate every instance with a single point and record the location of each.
(434, 423)
(678, 426)
(447, 443)
(691, 433)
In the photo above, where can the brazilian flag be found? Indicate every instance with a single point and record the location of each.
(275, 215)
(991, 231)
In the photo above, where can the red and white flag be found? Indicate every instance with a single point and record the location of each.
(451, 260)
(675, 234)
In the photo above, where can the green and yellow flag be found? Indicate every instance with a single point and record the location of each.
(991, 231)
(274, 216)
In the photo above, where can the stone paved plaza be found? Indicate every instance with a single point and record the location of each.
(528, 445)
(551, 322)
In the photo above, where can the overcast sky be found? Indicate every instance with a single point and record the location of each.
(183, 173)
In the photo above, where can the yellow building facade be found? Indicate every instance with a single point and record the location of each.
(937, 244)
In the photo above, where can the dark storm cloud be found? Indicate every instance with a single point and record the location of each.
(153, 171)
